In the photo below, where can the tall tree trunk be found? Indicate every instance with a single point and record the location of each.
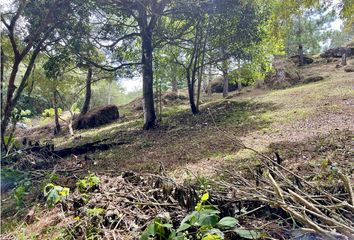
(301, 55)
(86, 105)
(209, 81)
(12, 96)
(201, 69)
(1, 96)
(225, 67)
(6, 114)
(109, 97)
(148, 92)
(199, 86)
(174, 78)
(56, 112)
(300, 47)
(1, 75)
(191, 95)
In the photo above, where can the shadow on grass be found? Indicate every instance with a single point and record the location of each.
(185, 138)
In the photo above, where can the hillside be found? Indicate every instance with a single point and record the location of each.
(309, 126)
(262, 119)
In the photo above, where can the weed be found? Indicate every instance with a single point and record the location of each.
(55, 194)
(94, 211)
(89, 183)
(203, 223)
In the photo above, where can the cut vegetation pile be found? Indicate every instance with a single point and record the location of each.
(132, 206)
(286, 74)
(217, 85)
(97, 117)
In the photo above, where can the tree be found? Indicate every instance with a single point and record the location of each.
(133, 19)
(283, 15)
(216, 33)
(86, 105)
(40, 22)
(54, 68)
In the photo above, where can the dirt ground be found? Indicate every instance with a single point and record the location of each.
(310, 126)
(259, 118)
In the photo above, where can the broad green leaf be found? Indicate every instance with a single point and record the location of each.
(166, 225)
(53, 198)
(212, 237)
(183, 227)
(64, 192)
(190, 218)
(227, 222)
(149, 231)
(207, 217)
(248, 234)
(205, 197)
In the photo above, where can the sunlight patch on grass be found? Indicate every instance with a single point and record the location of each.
(286, 116)
(174, 110)
(96, 134)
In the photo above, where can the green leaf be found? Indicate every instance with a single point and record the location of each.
(205, 197)
(149, 231)
(166, 225)
(53, 198)
(55, 194)
(208, 217)
(212, 237)
(248, 234)
(94, 211)
(64, 192)
(190, 218)
(183, 227)
(227, 222)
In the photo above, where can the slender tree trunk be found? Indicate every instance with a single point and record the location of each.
(225, 67)
(86, 105)
(160, 101)
(2, 76)
(301, 55)
(2, 96)
(12, 96)
(201, 69)
(209, 81)
(225, 92)
(300, 47)
(6, 114)
(56, 112)
(109, 97)
(199, 86)
(191, 95)
(156, 98)
(174, 78)
(148, 92)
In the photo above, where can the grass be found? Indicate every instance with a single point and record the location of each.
(305, 124)
(257, 118)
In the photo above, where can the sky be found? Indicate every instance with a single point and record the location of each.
(131, 84)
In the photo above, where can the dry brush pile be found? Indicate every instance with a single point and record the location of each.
(273, 200)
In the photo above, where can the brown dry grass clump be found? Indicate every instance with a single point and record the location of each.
(97, 117)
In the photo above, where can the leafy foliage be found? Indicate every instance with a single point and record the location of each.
(48, 113)
(89, 183)
(55, 194)
(20, 193)
(94, 211)
(204, 223)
